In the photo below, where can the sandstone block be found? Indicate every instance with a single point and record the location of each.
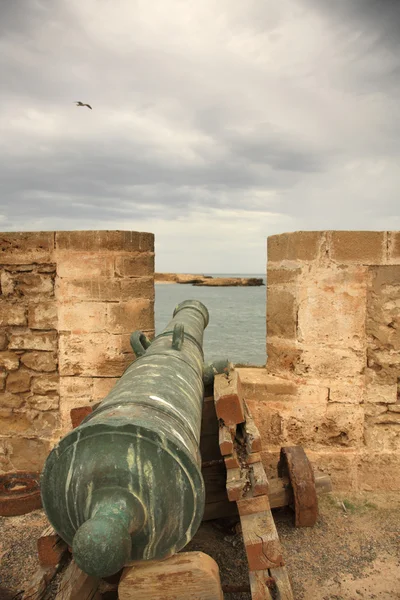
(3, 340)
(282, 358)
(299, 245)
(386, 394)
(28, 284)
(45, 424)
(385, 365)
(44, 403)
(339, 463)
(102, 386)
(3, 375)
(394, 246)
(289, 274)
(281, 313)
(255, 382)
(33, 340)
(379, 471)
(7, 282)
(12, 314)
(45, 384)
(83, 317)
(141, 287)
(76, 388)
(125, 241)
(19, 381)
(326, 363)
(26, 247)
(85, 265)
(43, 315)
(366, 247)
(9, 400)
(98, 290)
(27, 454)
(14, 422)
(92, 355)
(332, 316)
(384, 275)
(125, 317)
(135, 265)
(9, 361)
(40, 361)
(347, 392)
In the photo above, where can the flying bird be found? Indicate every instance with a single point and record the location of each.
(82, 104)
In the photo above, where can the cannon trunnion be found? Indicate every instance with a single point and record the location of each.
(126, 484)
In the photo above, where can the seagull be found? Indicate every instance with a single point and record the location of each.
(82, 104)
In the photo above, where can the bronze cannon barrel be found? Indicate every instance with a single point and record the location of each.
(126, 484)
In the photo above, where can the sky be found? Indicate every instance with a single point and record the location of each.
(215, 123)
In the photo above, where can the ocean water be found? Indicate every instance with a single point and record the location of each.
(237, 327)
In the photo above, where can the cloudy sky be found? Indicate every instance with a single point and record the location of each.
(215, 123)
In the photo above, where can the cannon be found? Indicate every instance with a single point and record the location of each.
(126, 484)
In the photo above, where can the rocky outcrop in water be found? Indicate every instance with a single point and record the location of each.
(207, 280)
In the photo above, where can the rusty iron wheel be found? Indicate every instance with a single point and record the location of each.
(293, 463)
(19, 493)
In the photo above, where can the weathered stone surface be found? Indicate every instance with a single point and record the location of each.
(310, 425)
(45, 384)
(3, 340)
(365, 247)
(379, 471)
(339, 464)
(18, 381)
(281, 313)
(299, 245)
(126, 317)
(27, 454)
(142, 287)
(43, 315)
(33, 340)
(26, 247)
(44, 403)
(381, 393)
(135, 265)
(332, 315)
(92, 355)
(27, 284)
(347, 392)
(256, 382)
(102, 386)
(126, 241)
(9, 400)
(282, 358)
(3, 375)
(321, 362)
(40, 361)
(394, 246)
(281, 276)
(385, 365)
(14, 422)
(74, 392)
(83, 317)
(85, 265)
(12, 314)
(98, 290)
(45, 424)
(9, 360)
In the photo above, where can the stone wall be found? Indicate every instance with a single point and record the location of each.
(69, 302)
(332, 381)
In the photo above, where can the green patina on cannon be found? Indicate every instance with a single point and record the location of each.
(126, 484)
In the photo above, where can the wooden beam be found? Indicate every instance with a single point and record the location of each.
(184, 576)
(50, 548)
(77, 585)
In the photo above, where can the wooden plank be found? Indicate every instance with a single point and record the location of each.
(282, 582)
(280, 494)
(258, 479)
(37, 586)
(215, 483)
(229, 405)
(184, 576)
(77, 585)
(252, 505)
(225, 441)
(50, 548)
(235, 484)
(253, 458)
(232, 461)
(263, 548)
(259, 589)
(252, 435)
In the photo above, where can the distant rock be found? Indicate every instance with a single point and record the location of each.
(207, 280)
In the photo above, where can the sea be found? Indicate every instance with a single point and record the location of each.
(237, 327)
